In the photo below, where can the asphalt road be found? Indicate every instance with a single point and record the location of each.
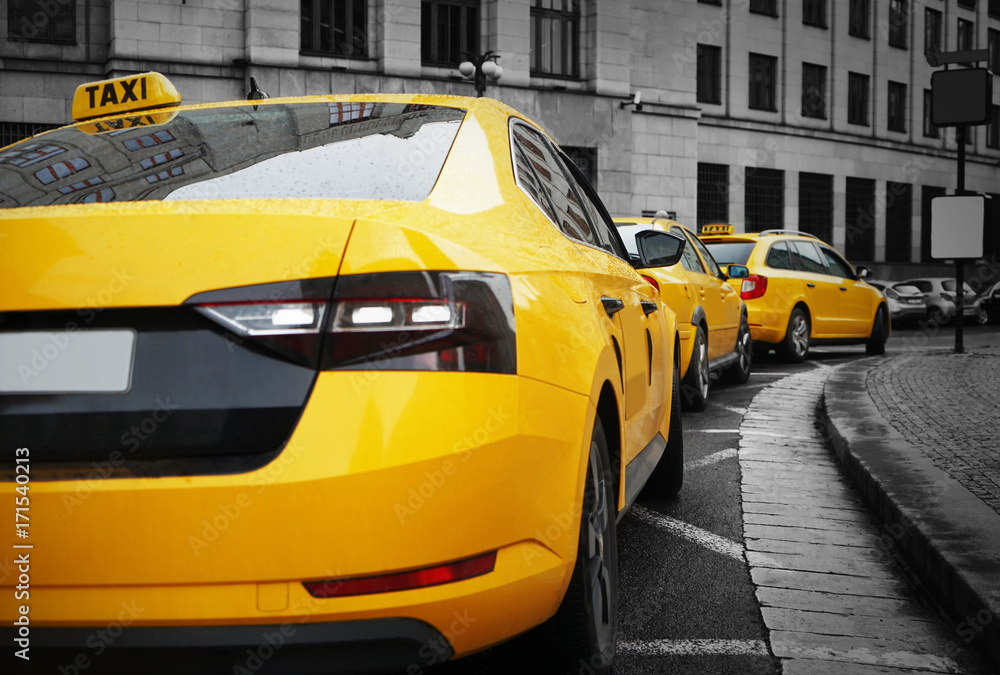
(684, 607)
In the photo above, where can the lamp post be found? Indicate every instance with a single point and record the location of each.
(478, 68)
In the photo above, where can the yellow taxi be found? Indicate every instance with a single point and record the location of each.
(334, 383)
(800, 291)
(711, 317)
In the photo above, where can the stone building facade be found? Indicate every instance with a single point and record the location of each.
(795, 114)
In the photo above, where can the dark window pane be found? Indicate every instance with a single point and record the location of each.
(897, 106)
(857, 99)
(709, 74)
(858, 20)
(555, 43)
(898, 217)
(713, 193)
(814, 13)
(816, 204)
(930, 129)
(898, 23)
(334, 27)
(860, 219)
(764, 195)
(813, 91)
(763, 82)
(932, 29)
(993, 133)
(769, 7)
(42, 20)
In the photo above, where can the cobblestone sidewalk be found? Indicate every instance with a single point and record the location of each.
(947, 406)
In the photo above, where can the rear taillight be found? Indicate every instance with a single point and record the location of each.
(652, 281)
(460, 321)
(754, 286)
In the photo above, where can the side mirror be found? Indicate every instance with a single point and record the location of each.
(738, 272)
(658, 249)
(863, 272)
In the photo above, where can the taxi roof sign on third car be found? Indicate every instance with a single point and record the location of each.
(717, 228)
(132, 93)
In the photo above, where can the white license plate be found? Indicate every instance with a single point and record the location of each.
(66, 362)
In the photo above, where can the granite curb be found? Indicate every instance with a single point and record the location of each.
(948, 536)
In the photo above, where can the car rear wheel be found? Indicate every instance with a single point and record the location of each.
(982, 318)
(694, 393)
(876, 343)
(739, 372)
(668, 476)
(588, 616)
(937, 316)
(795, 346)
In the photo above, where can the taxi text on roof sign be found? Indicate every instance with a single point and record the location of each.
(718, 228)
(131, 93)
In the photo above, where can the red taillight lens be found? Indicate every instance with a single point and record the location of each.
(458, 321)
(754, 286)
(653, 281)
(401, 581)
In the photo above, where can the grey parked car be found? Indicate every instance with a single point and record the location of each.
(939, 292)
(906, 302)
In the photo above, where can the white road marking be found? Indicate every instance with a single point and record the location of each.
(716, 431)
(714, 458)
(709, 540)
(764, 373)
(696, 647)
(738, 411)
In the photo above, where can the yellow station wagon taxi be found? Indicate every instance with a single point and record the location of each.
(800, 291)
(711, 317)
(336, 383)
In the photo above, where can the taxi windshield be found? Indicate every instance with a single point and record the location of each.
(325, 150)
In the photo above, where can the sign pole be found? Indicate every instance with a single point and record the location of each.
(959, 262)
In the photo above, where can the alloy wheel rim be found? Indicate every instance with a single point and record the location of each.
(703, 369)
(598, 576)
(800, 335)
(745, 350)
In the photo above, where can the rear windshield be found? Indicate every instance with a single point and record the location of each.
(950, 285)
(327, 150)
(731, 252)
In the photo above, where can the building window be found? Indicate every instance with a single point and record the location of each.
(555, 38)
(713, 193)
(897, 107)
(898, 221)
(813, 91)
(448, 29)
(994, 8)
(585, 160)
(966, 35)
(814, 13)
(711, 2)
(927, 193)
(993, 45)
(857, 99)
(816, 204)
(968, 4)
(858, 19)
(335, 27)
(764, 194)
(993, 129)
(932, 29)
(709, 74)
(898, 22)
(763, 82)
(930, 129)
(12, 132)
(860, 219)
(42, 21)
(769, 7)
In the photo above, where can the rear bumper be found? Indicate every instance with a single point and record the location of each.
(374, 646)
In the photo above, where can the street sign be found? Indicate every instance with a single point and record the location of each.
(957, 224)
(961, 96)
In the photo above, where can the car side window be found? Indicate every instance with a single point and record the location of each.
(838, 266)
(566, 209)
(604, 228)
(808, 258)
(924, 286)
(689, 259)
(713, 267)
(779, 257)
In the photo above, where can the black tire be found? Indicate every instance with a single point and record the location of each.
(668, 476)
(694, 388)
(876, 343)
(739, 372)
(589, 633)
(795, 346)
(937, 316)
(982, 318)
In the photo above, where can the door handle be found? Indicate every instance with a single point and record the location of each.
(810, 285)
(648, 306)
(842, 288)
(612, 305)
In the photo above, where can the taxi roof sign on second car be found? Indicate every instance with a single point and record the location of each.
(717, 228)
(144, 91)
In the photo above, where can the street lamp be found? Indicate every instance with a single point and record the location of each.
(478, 68)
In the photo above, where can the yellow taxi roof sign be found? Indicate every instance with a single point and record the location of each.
(717, 228)
(131, 93)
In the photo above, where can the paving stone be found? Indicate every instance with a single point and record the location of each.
(829, 583)
(810, 535)
(837, 603)
(869, 651)
(901, 627)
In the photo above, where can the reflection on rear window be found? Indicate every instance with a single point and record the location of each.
(325, 150)
(731, 253)
(950, 285)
